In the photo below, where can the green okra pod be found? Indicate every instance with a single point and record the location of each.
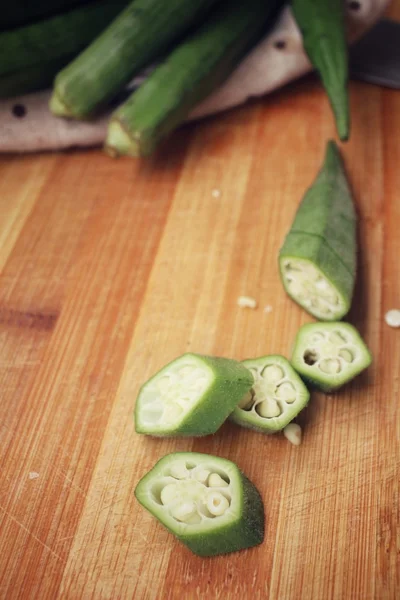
(328, 355)
(141, 33)
(205, 501)
(191, 396)
(318, 259)
(276, 397)
(322, 24)
(190, 73)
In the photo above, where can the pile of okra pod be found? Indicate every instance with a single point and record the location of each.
(89, 50)
(205, 501)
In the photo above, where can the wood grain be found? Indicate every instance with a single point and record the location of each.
(111, 268)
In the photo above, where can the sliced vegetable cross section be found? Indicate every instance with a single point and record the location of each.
(205, 501)
(318, 259)
(277, 396)
(193, 395)
(328, 355)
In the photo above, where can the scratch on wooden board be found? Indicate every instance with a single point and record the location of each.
(32, 535)
(70, 481)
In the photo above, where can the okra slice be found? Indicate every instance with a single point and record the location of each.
(205, 501)
(318, 259)
(328, 355)
(193, 395)
(277, 396)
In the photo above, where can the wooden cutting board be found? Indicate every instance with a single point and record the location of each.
(112, 268)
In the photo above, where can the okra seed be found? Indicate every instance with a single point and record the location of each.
(217, 504)
(172, 413)
(337, 338)
(317, 337)
(268, 409)
(163, 384)
(273, 373)
(186, 371)
(216, 480)
(330, 365)
(202, 475)
(310, 357)
(247, 401)
(168, 493)
(392, 318)
(346, 354)
(195, 519)
(184, 511)
(179, 470)
(286, 392)
(292, 433)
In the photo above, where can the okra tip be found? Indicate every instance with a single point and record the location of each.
(57, 106)
(119, 142)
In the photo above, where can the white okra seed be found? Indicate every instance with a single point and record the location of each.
(217, 504)
(201, 475)
(163, 383)
(292, 432)
(216, 480)
(179, 470)
(346, 354)
(330, 365)
(183, 511)
(172, 412)
(268, 409)
(336, 338)
(273, 373)
(392, 318)
(286, 392)
(168, 493)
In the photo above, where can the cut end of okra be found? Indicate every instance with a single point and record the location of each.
(205, 501)
(277, 396)
(119, 142)
(57, 106)
(307, 285)
(328, 355)
(193, 395)
(318, 259)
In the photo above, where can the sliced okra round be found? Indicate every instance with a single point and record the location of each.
(317, 261)
(191, 396)
(277, 396)
(205, 501)
(328, 355)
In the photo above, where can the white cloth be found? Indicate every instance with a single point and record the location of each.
(268, 67)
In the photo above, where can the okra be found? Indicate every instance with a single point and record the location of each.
(277, 396)
(328, 355)
(318, 259)
(322, 24)
(191, 396)
(190, 73)
(205, 501)
(56, 37)
(141, 33)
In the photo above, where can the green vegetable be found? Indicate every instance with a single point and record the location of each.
(318, 259)
(193, 70)
(277, 396)
(56, 37)
(192, 395)
(21, 12)
(205, 501)
(328, 355)
(142, 32)
(31, 79)
(322, 24)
